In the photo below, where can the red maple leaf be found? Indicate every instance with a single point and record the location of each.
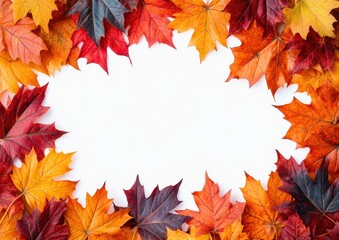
(295, 229)
(266, 12)
(315, 49)
(19, 132)
(152, 215)
(151, 19)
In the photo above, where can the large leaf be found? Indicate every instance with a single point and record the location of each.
(215, 211)
(209, 22)
(150, 19)
(48, 224)
(152, 215)
(316, 126)
(258, 56)
(93, 220)
(260, 219)
(18, 131)
(266, 12)
(306, 13)
(93, 12)
(35, 180)
(316, 201)
(17, 37)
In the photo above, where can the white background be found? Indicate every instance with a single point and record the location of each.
(166, 117)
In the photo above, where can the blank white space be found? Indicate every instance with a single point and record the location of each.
(166, 117)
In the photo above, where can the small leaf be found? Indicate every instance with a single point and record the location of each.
(295, 229)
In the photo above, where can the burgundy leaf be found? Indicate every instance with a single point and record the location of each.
(295, 229)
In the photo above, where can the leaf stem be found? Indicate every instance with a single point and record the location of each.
(135, 233)
(9, 207)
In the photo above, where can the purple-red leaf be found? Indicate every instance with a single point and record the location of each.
(295, 229)
(152, 215)
(315, 49)
(45, 225)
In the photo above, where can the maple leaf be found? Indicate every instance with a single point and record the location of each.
(94, 219)
(306, 13)
(48, 224)
(295, 229)
(59, 43)
(18, 38)
(209, 22)
(260, 219)
(258, 56)
(151, 215)
(315, 49)
(41, 11)
(315, 201)
(267, 13)
(18, 131)
(92, 15)
(13, 72)
(180, 235)
(98, 54)
(315, 125)
(150, 19)
(35, 180)
(215, 211)
(234, 232)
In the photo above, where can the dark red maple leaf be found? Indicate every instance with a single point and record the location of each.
(98, 54)
(295, 229)
(152, 215)
(315, 49)
(316, 202)
(267, 13)
(48, 224)
(18, 131)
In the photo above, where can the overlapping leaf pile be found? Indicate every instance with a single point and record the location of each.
(286, 41)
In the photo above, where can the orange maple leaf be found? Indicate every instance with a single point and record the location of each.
(258, 56)
(94, 220)
(13, 72)
(180, 235)
(234, 231)
(17, 37)
(8, 225)
(316, 126)
(59, 43)
(209, 22)
(215, 212)
(260, 219)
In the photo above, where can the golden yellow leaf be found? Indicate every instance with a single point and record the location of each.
(35, 180)
(58, 42)
(13, 72)
(233, 232)
(8, 226)
(180, 235)
(94, 220)
(41, 11)
(208, 21)
(306, 13)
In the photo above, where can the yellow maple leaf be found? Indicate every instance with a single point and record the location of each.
(208, 21)
(8, 226)
(58, 42)
(233, 232)
(180, 235)
(13, 72)
(94, 220)
(35, 180)
(41, 11)
(306, 13)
